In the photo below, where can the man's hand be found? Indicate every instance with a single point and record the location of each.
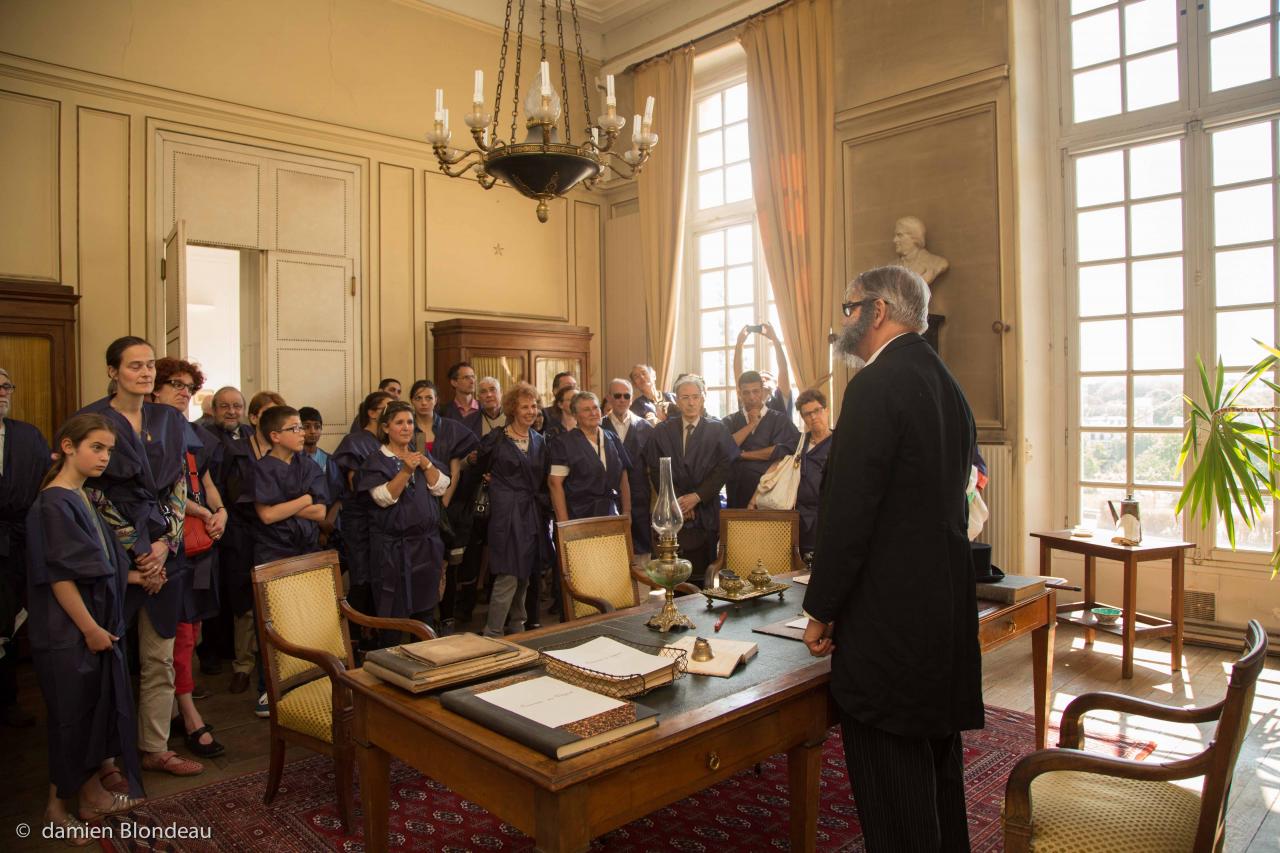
(687, 503)
(754, 416)
(817, 636)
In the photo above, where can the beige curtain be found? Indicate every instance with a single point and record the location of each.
(662, 187)
(790, 84)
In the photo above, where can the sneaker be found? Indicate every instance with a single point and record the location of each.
(263, 708)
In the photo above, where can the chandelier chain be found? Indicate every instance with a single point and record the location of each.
(564, 80)
(502, 70)
(515, 97)
(542, 11)
(582, 65)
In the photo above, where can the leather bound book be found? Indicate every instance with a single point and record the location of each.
(1011, 588)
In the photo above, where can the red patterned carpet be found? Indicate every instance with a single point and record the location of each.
(743, 813)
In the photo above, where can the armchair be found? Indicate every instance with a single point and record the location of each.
(748, 535)
(596, 575)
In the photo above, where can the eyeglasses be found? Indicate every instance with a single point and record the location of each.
(812, 412)
(8, 387)
(622, 396)
(850, 307)
(178, 385)
(294, 428)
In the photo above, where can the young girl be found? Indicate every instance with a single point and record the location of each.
(404, 540)
(356, 505)
(77, 575)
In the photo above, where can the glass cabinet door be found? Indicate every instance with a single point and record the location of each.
(507, 367)
(547, 365)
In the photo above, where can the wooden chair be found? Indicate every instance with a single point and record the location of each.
(302, 615)
(1066, 799)
(748, 535)
(596, 575)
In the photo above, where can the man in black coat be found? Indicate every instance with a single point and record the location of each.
(892, 591)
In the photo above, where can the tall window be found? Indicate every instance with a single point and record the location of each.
(1169, 142)
(728, 284)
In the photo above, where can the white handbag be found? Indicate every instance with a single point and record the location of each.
(781, 483)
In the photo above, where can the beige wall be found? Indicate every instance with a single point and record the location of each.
(86, 86)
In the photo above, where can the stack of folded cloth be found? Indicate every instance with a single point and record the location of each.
(457, 659)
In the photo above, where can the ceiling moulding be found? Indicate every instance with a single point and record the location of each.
(493, 13)
(669, 24)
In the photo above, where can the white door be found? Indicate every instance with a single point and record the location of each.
(310, 336)
(173, 271)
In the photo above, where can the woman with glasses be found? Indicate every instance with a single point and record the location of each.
(176, 382)
(813, 411)
(649, 403)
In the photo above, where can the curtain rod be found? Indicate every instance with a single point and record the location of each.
(705, 36)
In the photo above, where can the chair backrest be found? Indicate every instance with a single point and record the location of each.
(771, 536)
(595, 560)
(298, 597)
(1224, 749)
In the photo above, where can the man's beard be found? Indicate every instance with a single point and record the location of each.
(852, 336)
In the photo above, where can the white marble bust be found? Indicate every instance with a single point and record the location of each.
(908, 243)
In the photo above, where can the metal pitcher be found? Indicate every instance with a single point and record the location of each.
(1128, 520)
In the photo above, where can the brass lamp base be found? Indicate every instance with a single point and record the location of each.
(668, 571)
(669, 617)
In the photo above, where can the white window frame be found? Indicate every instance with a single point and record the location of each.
(1193, 117)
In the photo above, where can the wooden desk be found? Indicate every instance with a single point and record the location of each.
(564, 804)
(1132, 623)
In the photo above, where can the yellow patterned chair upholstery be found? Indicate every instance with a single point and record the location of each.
(1066, 801)
(596, 575)
(748, 535)
(302, 616)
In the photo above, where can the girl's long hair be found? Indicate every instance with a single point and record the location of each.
(76, 430)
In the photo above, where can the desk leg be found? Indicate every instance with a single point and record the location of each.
(804, 769)
(1090, 591)
(560, 821)
(1042, 676)
(1175, 610)
(375, 795)
(1130, 608)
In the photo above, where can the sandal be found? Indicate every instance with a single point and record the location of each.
(117, 787)
(120, 803)
(204, 750)
(71, 831)
(172, 763)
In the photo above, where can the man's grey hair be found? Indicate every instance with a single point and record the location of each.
(618, 380)
(905, 294)
(691, 379)
(6, 374)
(491, 380)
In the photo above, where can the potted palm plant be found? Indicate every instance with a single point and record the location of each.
(1233, 450)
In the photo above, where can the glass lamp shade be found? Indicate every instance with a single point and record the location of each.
(666, 518)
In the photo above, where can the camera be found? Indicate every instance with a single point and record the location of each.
(758, 328)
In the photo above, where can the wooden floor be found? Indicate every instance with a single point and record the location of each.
(1253, 819)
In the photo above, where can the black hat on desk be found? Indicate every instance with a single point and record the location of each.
(983, 571)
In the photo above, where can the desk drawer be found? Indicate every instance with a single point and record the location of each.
(1010, 624)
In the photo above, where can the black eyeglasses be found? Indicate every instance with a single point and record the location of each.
(622, 396)
(178, 385)
(849, 307)
(8, 387)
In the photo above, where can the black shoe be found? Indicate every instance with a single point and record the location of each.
(210, 666)
(16, 717)
(209, 750)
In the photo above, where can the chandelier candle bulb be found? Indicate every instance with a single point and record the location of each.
(439, 104)
(595, 136)
(610, 99)
(478, 97)
(648, 113)
(635, 129)
(546, 79)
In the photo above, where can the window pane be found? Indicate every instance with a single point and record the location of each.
(741, 285)
(1158, 517)
(1155, 169)
(709, 112)
(1093, 506)
(1102, 346)
(735, 103)
(748, 353)
(1242, 216)
(1095, 39)
(1149, 24)
(737, 183)
(711, 250)
(716, 403)
(711, 189)
(1100, 179)
(710, 150)
(1102, 401)
(1152, 80)
(1236, 333)
(1157, 343)
(713, 332)
(1102, 457)
(1156, 227)
(1157, 401)
(1155, 458)
(1081, 6)
(1244, 276)
(1242, 154)
(713, 367)
(1227, 13)
(711, 292)
(1101, 290)
(736, 146)
(1240, 57)
(1100, 234)
(739, 317)
(1096, 93)
(739, 239)
(1257, 538)
(1157, 285)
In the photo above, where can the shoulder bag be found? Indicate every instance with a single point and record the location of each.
(195, 536)
(781, 483)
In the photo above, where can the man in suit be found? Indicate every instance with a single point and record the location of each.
(701, 451)
(892, 591)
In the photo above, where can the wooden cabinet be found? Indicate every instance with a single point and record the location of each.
(512, 352)
(38, 348)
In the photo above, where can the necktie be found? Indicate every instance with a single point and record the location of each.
(688, 431)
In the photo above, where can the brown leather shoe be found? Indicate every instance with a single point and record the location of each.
(240, 682)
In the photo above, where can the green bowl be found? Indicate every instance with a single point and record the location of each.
(1106, 615)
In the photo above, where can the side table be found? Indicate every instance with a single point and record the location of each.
(1132, 623)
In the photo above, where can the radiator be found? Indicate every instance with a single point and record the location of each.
(1001, 531)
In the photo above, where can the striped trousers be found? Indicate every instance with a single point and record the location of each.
(909, 791)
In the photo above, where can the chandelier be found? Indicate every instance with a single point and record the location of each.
(547, 163)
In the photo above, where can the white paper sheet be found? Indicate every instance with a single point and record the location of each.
(801, 623)
(608, 656)
(548, 701)
(800, 579)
